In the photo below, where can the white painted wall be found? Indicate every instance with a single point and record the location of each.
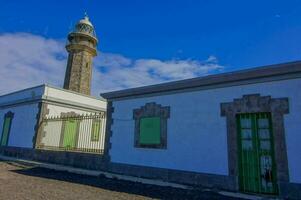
(52, 134)
(74, 97)
(196, 134)
(53, 130)
(23, 124)
(24, 121)
(85, 134)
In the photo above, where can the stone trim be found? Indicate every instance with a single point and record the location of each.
(39, 127)
(36, 127)
(152, 110)
(255, 103)
(108, 132)
(9, 114)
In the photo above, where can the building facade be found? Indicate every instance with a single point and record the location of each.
(42, 111)
(236, 131)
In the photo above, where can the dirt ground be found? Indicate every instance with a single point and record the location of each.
(18, 181)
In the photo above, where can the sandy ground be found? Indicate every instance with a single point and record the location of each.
(18, 181)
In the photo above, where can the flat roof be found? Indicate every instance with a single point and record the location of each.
(51, 86)
(240, 76)
(54, 94)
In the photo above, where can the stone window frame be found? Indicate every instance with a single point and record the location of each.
(152, 110)
(9, 114)
(254, 103)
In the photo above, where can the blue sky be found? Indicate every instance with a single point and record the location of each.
(229, 35)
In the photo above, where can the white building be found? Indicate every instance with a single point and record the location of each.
(34, 117)
(237, 131)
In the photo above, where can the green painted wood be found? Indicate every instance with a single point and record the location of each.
(150, 130)
(256, 153)
(5, 131)
(96, 128)
(70, 134)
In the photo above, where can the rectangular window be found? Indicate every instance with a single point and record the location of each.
(6, 129)
(151, 126)
(150, 131)
(96, 128)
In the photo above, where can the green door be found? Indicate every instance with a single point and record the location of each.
(257, 170)
(5, 131)
(70, 133)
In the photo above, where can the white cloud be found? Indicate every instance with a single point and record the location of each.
(28, 60)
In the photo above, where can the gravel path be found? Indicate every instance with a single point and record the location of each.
(18, 181)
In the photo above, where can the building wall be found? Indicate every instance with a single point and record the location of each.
(53, 130)
(24, 105)
(23, 124)
(64, 101)
(196, 131)
(69, 96)
(85, 134)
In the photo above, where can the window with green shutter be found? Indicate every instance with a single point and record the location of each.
(96, 128)
(150, 130)
(6, 128)
(151, 126)
(70, 133)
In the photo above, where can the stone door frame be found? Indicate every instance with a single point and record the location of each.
(255, 103)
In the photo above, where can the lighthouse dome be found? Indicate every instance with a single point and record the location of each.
(85, 26)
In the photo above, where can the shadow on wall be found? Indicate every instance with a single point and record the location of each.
(117, 185)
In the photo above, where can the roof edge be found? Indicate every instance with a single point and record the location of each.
(23, 90)
(233, 76)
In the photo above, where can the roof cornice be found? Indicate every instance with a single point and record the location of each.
(259, 74)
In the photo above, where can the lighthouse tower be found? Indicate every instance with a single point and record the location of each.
(81, 47)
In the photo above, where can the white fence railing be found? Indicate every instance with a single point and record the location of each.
(81, 133)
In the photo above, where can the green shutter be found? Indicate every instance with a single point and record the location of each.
(150, 131)
(5, 131)
(96, 127)
(70, 134)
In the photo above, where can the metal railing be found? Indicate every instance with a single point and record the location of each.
(79, 133)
